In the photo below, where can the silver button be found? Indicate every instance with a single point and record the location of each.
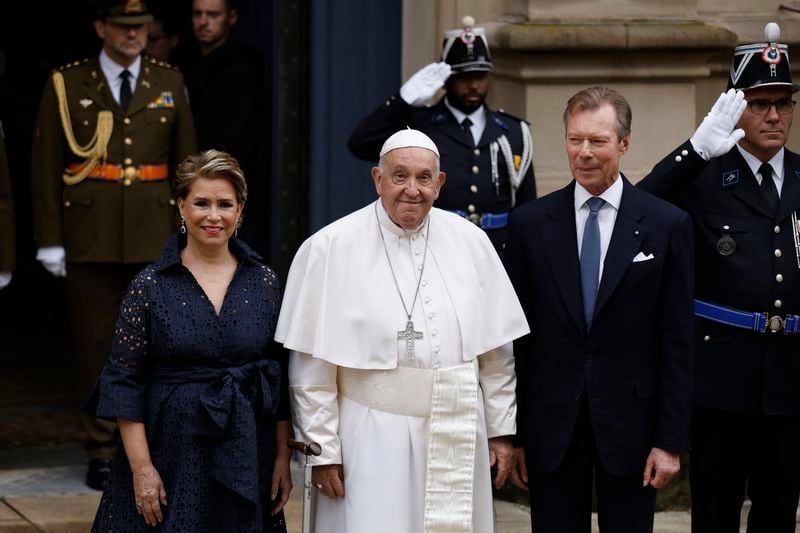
(128, 141)
(172, 201)
(678, 158)
(434, 333)
(471, 208)
(437, 351)
(126, 120)
(778, 304)
(778, 252)
(85, 122)
(475, 169)
(431, 315)
(128, 161)
(163, 120)
(779, 277)
(419, 267)
(424, 283)
(417, 252)
(776, 229)
(726, 227)
(473, 188)
(476, 151)
(684, 153)
(707, 338)
(67, 203)
(427, 299)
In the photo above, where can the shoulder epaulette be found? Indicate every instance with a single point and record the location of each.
(71, 65)
(163, 64)
(509, 115)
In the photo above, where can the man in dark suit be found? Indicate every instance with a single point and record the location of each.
(604, 274)
(109, 134)
(741, 187)
(486, 154)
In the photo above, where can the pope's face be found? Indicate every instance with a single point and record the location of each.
(211, 212)
(593, 147)
(408, 181)
(122, 42)
(765, 134)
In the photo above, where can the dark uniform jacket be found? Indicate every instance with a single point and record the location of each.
(469, 186)
(106, 221)
(7, 230)
(635, 363)
(736, 369)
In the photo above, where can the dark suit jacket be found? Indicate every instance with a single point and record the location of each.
(468, 167)
(635, 365)
(739, 370)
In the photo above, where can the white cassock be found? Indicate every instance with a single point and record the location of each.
(411, 433)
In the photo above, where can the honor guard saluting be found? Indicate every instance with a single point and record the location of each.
(7, 230)
(109, 132)
(486, 154)
(742, 188)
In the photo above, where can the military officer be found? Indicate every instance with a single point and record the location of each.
(7, 230)
(742, 188)
(108, 134)
(487, 155)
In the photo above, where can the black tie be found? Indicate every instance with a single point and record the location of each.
(125, 90)
(465, 125)
(768, 185)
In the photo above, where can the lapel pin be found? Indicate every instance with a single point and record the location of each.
(85, 102)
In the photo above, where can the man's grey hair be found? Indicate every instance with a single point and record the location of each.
(593, 98)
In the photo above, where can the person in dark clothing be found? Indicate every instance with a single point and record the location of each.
(228, 99)
(194, 379)
(741, 186)
(486, 154)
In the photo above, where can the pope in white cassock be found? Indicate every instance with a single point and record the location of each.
(401, 319)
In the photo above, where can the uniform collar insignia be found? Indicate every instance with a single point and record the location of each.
(146, 84)
(85, 102)
(730, 178)
(438, 118)
(499, 121)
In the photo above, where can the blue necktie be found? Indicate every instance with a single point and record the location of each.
(590, 260)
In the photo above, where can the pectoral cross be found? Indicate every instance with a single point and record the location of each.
(409, 335)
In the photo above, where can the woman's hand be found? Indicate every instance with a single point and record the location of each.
(281, 471)
(149, 494)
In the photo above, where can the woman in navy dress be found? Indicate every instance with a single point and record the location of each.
(194, 378)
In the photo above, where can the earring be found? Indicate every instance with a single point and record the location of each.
(236, 231)
(183, 225)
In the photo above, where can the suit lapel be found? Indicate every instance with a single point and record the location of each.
(447, 124)
(747, 190)
(97, 88)
(790, 194)
(626, 242)
(146, 87)
(495, 127)
(561, 250)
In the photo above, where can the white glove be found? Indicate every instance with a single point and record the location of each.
(716, 134)
(5, 279)
(420, 88)
(52, 258)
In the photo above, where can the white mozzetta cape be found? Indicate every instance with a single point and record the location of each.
(341, 303)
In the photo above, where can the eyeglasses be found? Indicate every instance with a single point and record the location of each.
(784, 106)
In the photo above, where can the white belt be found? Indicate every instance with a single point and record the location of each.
(449, 396)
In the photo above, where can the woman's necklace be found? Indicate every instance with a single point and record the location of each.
(408, 334)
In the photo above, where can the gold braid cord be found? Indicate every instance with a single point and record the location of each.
(96, 149)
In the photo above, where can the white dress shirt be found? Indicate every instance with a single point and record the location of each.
(755, 163)
(478, 118)
(112, 70)
(606, 217)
